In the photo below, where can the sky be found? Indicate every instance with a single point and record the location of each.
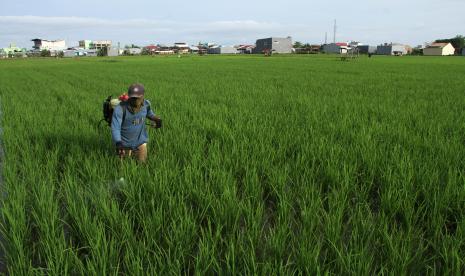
(145, 22)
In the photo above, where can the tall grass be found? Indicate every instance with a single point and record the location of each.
(264, 166)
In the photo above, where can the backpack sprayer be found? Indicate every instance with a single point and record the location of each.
(109, 106)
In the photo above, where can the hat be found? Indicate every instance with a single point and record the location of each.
(136, 90)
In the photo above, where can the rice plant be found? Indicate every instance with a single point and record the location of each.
(281, 165)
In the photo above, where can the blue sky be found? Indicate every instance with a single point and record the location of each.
(230, 22)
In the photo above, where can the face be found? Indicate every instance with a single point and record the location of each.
(136, 102)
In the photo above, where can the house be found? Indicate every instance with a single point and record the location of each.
(51, 45)
(245, 49)
(12, 51)
(97, 44)
(274, 44)
(86, 44)
(366, 49)
(392, 49)
(308, 49)
(132, 51)
(181, 48)
(70, 53)
(150, 49)
(355, 44)
(80, 52)
(409, 49)
(336, 48)
(164, 50)
(222, 50)
(100, 44)
(463, 52)
(91, 53)
(439, 49)
(114, 52)
(194, 49)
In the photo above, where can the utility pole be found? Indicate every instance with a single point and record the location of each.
(335, 29)
(326, 38)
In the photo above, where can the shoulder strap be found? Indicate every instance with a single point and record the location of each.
(123, 105)
(147, 104)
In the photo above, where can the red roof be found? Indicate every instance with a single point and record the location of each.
(245, 46)
(151, 47)
(342, 44)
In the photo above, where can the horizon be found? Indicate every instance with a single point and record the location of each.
(413, 23)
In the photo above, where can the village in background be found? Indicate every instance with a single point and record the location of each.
(267, 46)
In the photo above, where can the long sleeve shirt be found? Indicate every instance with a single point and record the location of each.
(132, 131)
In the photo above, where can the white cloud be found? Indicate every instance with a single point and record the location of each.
(21, 29)
(34, 26)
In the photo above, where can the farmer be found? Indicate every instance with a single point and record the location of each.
(128, 124)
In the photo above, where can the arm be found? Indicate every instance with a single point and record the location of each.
(151, 116)
(116, 122)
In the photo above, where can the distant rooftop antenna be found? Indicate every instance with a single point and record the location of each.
(335, 29)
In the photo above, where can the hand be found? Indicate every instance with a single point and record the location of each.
(120, 149)
(156, 122)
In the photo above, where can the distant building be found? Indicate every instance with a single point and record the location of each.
(69, 53)
(164, 50)
(51, 45)
(181, 48)
(133, 51)
(91, 53)
(80, 52)
(194, 49)
(97, 44)
(274, 44)
(151, 48)
(100, 44)
(336, 48)
(245, 49)
(12, 51)
(463, 52)
(355, 44)
(366, 49)
(86, 44)
(113, 52)
(391, 49)
(308, 49)
(409, 49)
(439, 49)
(222, 50)
(181, 45)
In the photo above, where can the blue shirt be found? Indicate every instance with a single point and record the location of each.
(132, 132)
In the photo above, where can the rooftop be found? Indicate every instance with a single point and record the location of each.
(438, 45)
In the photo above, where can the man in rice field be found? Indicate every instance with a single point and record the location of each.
(128, 124)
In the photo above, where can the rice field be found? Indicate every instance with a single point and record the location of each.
(282, 165)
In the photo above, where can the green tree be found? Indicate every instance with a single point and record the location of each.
(145, 52)
(45, 53)
(417, 52)
(297, 44)
(102, 52)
